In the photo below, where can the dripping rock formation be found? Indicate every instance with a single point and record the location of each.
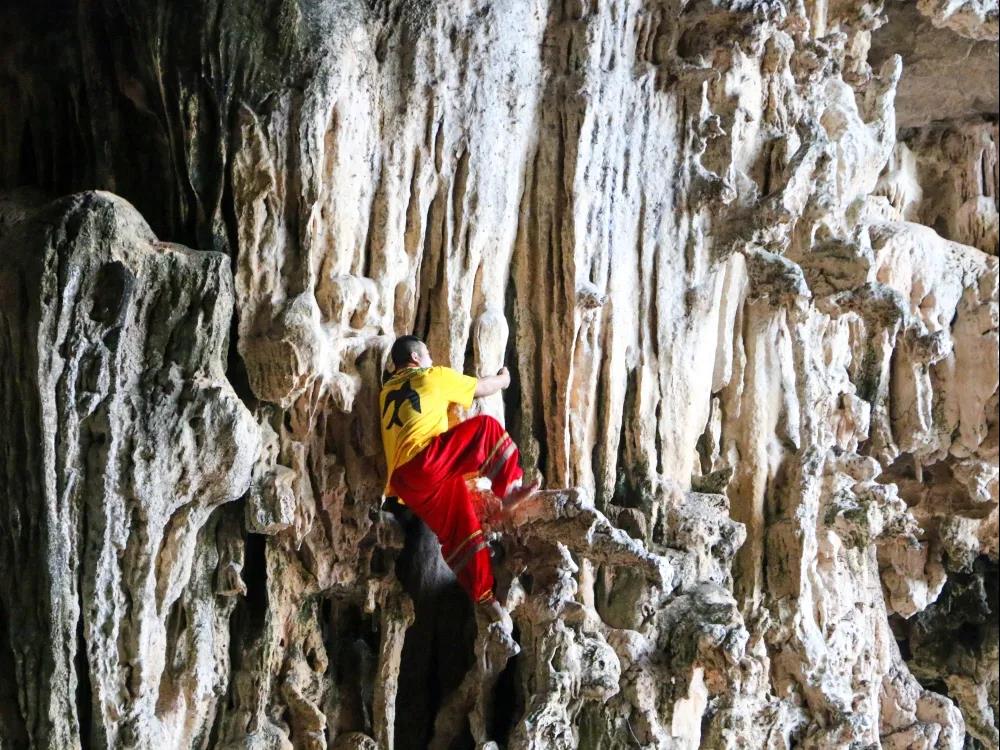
(740, 257)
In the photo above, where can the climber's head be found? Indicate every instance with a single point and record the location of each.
(409, 351)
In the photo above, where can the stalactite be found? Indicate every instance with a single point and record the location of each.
(740, 259)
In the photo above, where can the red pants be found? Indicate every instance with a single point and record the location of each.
(432, 484)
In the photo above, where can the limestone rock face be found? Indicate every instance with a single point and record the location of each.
(946, 176)
(124, 441)
(951, 58)
(740, 257)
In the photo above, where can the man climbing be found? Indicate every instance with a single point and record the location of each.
(428, 463)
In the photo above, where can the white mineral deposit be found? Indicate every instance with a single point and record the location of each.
(740, 257)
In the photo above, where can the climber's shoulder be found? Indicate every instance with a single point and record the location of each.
(409, 375)
(438, 371)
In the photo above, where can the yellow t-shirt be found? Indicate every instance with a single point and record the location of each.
(414, 408)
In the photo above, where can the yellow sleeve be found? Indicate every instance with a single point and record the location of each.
(457, 388)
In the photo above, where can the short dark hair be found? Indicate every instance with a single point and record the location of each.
(403, 349)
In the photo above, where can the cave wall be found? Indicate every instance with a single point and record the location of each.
(740, 258)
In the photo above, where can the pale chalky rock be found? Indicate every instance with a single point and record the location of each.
(132, 442)
(739, 257)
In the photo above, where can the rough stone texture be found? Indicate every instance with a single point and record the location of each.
(951, 57)
(946, 176)
(975, 19)
(753, 328)
(123, 441)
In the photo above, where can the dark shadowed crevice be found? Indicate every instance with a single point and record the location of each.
(658, 448)
(353, 644)
(469, 356)
(252, 608)
(625, 494)
(236, 369)
(508, 699)
(600, 455)
(426, 284)
(27, 166)
(949, 638)
(12, 727)
(176, 625)
(512, 397)
(246, 626)
(84, 690)
(227, 208)
(438, 649)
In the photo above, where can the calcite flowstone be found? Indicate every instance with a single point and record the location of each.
(124, 442)
(740, 258)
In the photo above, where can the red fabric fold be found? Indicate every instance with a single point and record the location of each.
(433, 485)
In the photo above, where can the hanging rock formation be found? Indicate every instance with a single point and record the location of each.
(740, 257)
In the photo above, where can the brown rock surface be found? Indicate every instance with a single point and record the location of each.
(950, 56)
(752, 326)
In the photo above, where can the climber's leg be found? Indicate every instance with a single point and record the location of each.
(433, 484)
(445, 505)
(467, 554)
(494, 612)
(502, 463)
(516, 495)
(477, 445)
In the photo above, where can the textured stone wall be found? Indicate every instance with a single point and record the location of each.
(751, 315)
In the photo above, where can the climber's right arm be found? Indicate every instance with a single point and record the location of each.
(493, 383)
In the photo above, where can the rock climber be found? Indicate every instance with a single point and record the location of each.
(428, 463)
